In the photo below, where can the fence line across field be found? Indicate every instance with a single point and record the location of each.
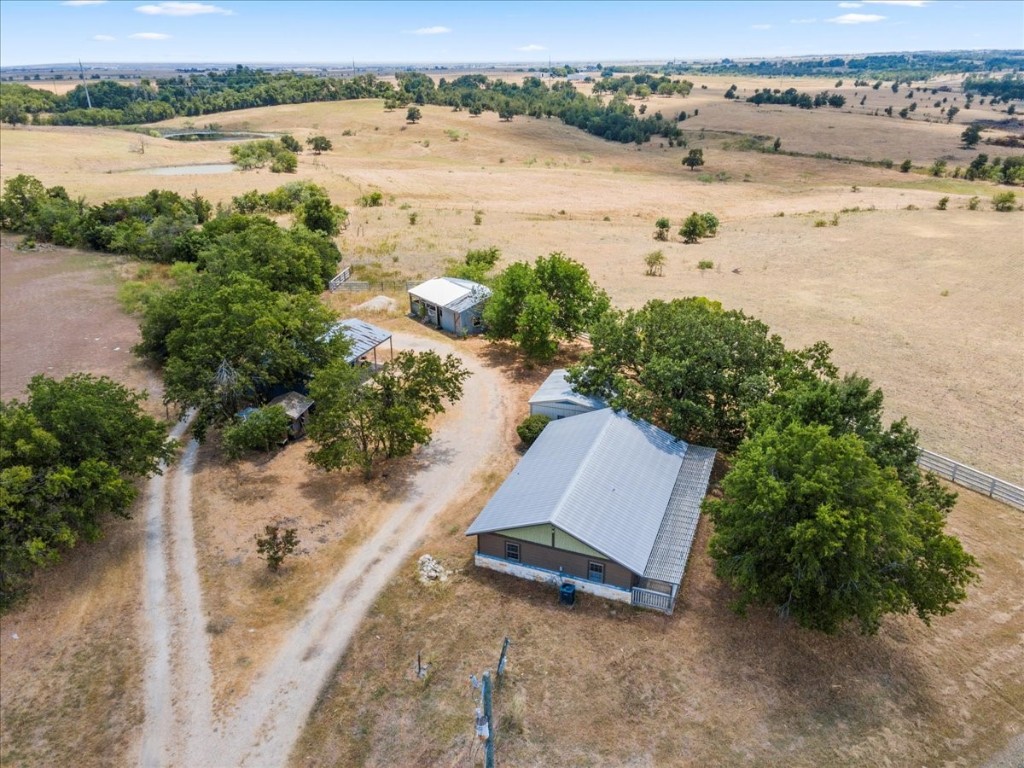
(971, 478)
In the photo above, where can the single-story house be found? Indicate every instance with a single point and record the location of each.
(363, 338)
(557, 399)
(451, 303)
(602, 501)
(297, 407)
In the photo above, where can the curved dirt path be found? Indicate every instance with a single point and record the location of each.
(261, 729)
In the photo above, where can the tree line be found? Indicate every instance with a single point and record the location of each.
(237, 320)
(243, 88)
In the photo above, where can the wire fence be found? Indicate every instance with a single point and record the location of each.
(971, 478)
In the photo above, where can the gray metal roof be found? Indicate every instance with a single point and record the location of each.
(362, 336)
(602, 477)
(452, 293)
(556, 389)
(294, 403)
(672, 547)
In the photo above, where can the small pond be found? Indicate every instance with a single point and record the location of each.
(217, 136)
(185, 170)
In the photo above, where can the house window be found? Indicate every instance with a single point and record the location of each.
(477, 321)
(511, 551)
(595, 572)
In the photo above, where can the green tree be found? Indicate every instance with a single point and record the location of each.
(1004, 201)
(905, 166)
(413, 115)
(69, 456)
(579, 301)
(531, 427)
(655, 261)
(290, 143)
(689, 367)
(284, 162)
(511, 287)
(951, 113)
(319, 215)
(661, 228)
(812, 527)
(261, 430)
(694, 159)
(22, 197)
(291, 261)
(694, 228)
(225, 342)
(319, 144)
(276, 544)
(536, 327)
(359, 423)
(971, 135)
(12, 114)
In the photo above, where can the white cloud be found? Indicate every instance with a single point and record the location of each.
(856, 18)
(149, 36)
(104, 38)
(79, 3)
(803, 21)
(906, 3)
(431, 31)
(851, 5)
(531, 47)
(182, 9)
(760, 26)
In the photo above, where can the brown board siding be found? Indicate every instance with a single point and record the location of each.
(551, 559)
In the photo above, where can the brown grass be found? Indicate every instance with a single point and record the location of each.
(927, 303)
(604, 684)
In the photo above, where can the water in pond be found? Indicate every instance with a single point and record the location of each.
(185, 170)
(217, 136)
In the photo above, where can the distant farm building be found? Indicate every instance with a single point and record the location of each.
(363, 339)
(604, 502)
(450, 303)
(557, 399)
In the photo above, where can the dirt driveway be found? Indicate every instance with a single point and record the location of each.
(261, 729)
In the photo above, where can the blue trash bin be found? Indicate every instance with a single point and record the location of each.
(567, 594)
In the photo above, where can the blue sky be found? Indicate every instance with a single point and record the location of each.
(43, 32)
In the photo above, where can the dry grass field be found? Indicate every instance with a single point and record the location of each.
(928, 303)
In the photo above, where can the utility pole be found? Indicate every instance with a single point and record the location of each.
(488, 716)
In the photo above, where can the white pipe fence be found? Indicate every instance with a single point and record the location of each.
(968, 477)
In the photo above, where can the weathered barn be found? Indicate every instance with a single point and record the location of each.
(557, 399)
(297, 406)
(602, 501)
(452, 304)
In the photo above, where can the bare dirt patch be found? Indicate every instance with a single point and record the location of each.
(59, 316)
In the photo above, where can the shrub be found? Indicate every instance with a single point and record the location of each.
(973, 203)
(373, 199)
(905, 166)
(820, 223)
(531, 427)
(260, 431)
(938, 168)
(655, 261)
(274, 545)
(1004, 201)
(413, 217)
(943, 202)
(704, 264)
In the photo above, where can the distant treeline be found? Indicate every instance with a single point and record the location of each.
(242, 88)
(898, 66)
(1004, 88)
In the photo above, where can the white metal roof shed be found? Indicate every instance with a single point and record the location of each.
(557, 389)
(451, 293)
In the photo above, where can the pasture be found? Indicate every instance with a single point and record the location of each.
(928, 303)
